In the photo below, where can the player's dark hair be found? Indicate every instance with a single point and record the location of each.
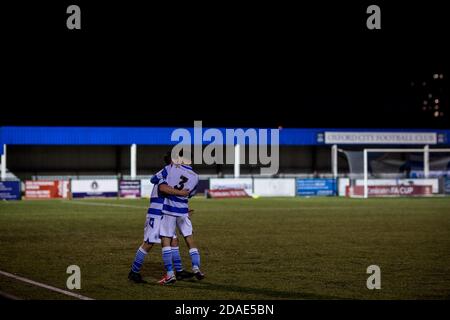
(168, 157)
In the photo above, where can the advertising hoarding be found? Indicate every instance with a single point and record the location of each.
(100, 188)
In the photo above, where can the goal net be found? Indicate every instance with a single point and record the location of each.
(398, 172)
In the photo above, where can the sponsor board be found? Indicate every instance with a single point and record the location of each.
(10, 190)
(274, 187)
(383, 191)
(95, 188)
(231, 183)
(434, 183)
(130, 188)
(226, 193)
(413, 138)
(316, 187)
(41, 189)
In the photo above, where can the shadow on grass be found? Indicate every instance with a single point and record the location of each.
(152, 269)
(270, 293)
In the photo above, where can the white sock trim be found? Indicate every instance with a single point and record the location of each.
(142, 250)
(193, 250)
(164, 249)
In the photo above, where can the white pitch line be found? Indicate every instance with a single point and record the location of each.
(103, 204)
(278, 209)
(42, 285)
(8, 296)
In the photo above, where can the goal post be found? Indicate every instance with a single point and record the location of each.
(398, 172)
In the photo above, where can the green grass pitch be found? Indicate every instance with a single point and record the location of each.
(267, 248)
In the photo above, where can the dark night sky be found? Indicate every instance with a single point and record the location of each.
(225, 64)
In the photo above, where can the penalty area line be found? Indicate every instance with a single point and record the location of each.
(45, 286)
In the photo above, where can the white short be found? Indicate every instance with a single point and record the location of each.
(151, 229)
(170, 223)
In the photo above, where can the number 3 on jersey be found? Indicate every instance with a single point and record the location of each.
(180, 185)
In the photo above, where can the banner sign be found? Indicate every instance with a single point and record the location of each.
(226, 193)
(231, 183)
(130, 188)
(316, 187)
(46, 189)
(274, 187)
(380, 138)
(94, 188)
(383, 191)
(434, 183)
(10, 190)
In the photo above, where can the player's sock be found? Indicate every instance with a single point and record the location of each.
(195, 258)
(138, 260)
(167, 259)
(176, 258)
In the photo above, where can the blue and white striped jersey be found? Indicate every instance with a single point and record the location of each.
(179, 177)
(156, 199)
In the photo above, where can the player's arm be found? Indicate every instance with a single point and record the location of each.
(159, 177)
(165, 188)
(159, 180)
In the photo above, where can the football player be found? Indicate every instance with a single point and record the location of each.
(152, 225)
(179, 176)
